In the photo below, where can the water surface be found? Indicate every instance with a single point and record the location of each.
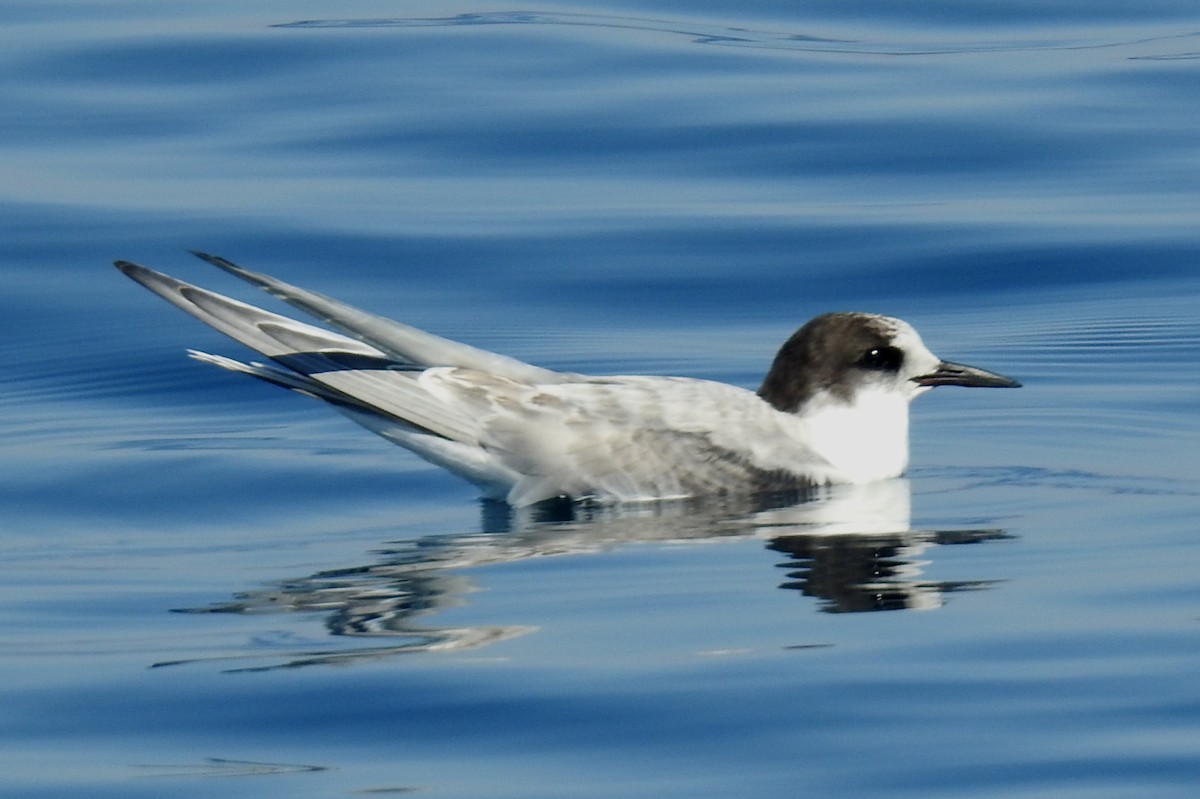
(214, 588)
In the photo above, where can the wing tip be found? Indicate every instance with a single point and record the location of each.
(229, 266)
(138, 272)
(146, 276)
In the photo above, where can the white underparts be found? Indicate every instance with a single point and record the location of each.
(866, 439)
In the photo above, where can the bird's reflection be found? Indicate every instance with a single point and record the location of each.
(851, 547)
(853, 574)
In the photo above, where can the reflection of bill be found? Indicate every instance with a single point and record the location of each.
(850, 546)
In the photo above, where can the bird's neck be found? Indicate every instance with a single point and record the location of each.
(865, 438)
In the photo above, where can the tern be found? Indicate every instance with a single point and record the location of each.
(832, 409)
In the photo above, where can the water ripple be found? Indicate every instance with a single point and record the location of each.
(728, 36)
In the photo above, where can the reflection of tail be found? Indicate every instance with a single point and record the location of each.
(440, 640)
(382, 600)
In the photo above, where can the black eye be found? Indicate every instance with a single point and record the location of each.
(882, 359)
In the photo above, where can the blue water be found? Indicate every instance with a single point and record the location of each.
(214, 588)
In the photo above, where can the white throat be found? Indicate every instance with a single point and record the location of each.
(866, 439)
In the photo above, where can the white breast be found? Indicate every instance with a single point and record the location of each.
(866, 439)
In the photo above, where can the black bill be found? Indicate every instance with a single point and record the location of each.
(957, 374)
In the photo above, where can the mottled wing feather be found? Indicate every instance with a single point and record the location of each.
(623, 438)
(652, 464)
